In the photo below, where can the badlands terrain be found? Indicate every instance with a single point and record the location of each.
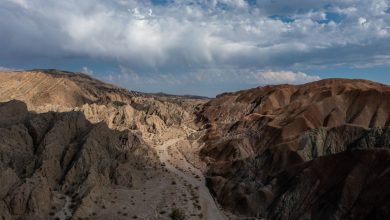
(72, 147)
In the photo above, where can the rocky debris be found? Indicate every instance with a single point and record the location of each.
(255, 136)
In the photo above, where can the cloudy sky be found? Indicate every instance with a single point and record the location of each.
(201, 47)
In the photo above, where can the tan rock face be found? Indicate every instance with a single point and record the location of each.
(72, 146)
(53, 90)
(255, 135)
(46, 154)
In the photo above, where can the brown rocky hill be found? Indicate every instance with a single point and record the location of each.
(301, 152)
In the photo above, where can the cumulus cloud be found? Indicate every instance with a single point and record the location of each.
(218, 76)
(193, 39)
(3, 68)
(213, 81)
(184, 34)
(87, 71)
(288, 77)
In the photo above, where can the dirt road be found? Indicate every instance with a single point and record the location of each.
(181, 167)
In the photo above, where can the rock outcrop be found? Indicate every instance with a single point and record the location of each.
(49, 156)
(255, 138)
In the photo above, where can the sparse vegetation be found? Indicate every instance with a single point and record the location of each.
(177, 214)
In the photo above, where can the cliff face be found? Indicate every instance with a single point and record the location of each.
(288, 152)
(50, 157)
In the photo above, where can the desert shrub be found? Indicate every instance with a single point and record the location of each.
(177, 214)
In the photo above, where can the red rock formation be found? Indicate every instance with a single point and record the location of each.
(254, 135)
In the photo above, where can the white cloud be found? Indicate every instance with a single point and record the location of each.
(142, 35)
(198, 41)
(21, 3)
(284, 77)
(3, 68)
(87, 71)
(207, 82)
(362, 21)
(233, 3)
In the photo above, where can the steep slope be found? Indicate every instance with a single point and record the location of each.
(58, 88)
(349, 185)
(49, 156)
(72, 146)
(46, 90)
(255, 136)
(279, 114)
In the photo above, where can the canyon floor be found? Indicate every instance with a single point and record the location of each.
(178, 184)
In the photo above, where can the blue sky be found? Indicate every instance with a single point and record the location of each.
(201, 47)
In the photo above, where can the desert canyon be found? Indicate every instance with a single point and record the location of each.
(73, 147)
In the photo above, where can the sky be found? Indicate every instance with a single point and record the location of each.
(199, 47)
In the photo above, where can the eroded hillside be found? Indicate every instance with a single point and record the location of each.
(266, 148)
(58, 164)
(74, 147)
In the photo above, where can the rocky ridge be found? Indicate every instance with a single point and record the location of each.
(300, 152)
